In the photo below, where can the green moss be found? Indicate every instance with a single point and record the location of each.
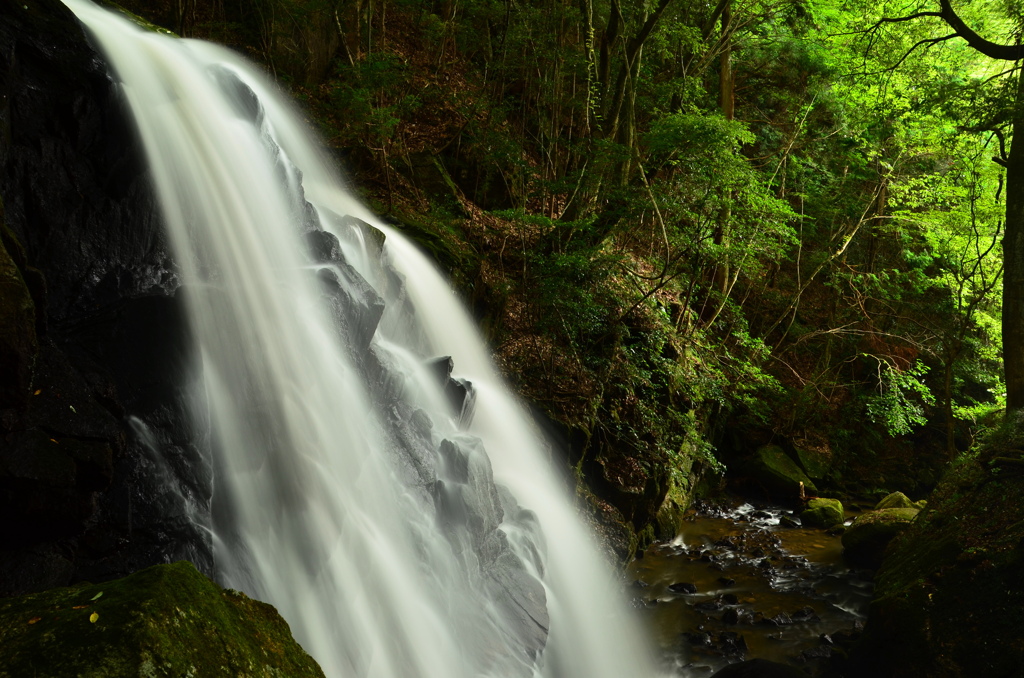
(167, 620)
(138, 20)
(824, 513)
(443, 241)
(866, 539)
(895, 500)
(677, 500)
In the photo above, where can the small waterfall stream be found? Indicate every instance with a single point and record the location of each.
(405, 520)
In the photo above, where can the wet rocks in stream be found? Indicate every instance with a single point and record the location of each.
(723, 644)
(759, 668)
(745, 583)
(734, 616)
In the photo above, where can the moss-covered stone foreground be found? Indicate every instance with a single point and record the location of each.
(167, 620)
(949, 599)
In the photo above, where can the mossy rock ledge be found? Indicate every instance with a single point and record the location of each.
(815, 462)
(167, 620)
(864, 542)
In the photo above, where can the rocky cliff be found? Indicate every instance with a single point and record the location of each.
(94, 345)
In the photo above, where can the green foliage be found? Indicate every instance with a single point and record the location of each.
(901, 398)
(689, 138)
(369, 114)
(569, 286)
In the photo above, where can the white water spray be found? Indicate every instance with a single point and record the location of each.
(362, 512)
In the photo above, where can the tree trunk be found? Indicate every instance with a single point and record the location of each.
(947, 402)
(728, 103)
(616, 103)
(587, 10)
(728, 100)
(1013, 262)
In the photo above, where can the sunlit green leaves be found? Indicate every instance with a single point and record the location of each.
(901, 397)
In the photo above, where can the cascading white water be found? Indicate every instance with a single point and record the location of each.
(362, 512)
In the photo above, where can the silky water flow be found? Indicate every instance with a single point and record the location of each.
(406, 521)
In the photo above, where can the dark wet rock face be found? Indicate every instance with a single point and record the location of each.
(18, 341)
(354, 305)
(91, 335)
(682, 587)
(760, 668)
(74, 187)
(777, 474)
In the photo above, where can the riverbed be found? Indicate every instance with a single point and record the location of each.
(743, 581)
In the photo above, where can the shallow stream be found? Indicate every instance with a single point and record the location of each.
(743, 582)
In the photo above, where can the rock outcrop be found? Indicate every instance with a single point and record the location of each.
(948, 595)
(896, 500)
(167, 620)
(777, 474)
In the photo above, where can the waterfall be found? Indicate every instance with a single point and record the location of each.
(396, 505)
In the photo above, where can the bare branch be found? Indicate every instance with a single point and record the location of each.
(997, 132)
(926, 41)
(898, 19)
(1003, 156)
(1008, 71)
(709, 25)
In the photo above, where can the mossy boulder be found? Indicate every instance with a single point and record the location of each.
(167, 620)
(824, 513)
(895, 500)
(949, 598)
(815, 462)
(865, 540)
(778, 474)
